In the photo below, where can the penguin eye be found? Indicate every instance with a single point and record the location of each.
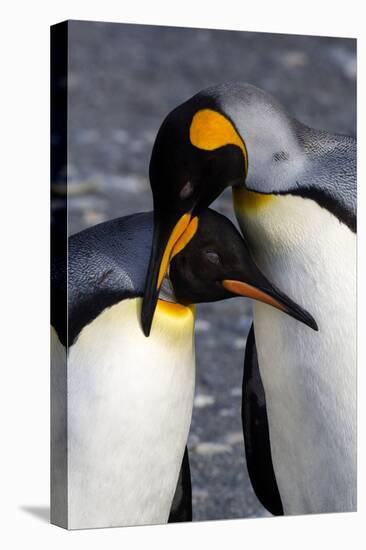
(213, 257)
(186, 190)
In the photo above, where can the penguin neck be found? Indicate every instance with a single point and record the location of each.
(168, 304)
(320, 167)
(329, 175)
(309, 377)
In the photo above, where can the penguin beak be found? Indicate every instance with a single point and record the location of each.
(268, 294)
(168, 240)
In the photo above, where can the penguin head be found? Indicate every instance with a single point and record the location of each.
(215, 264)
(228, 135)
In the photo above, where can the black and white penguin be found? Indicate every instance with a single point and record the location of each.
(130, 398)
(294, 191)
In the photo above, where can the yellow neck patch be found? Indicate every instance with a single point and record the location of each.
(245, 200)
(210, 130)
(174, 309)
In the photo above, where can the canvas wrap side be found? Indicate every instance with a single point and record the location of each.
(59, 70)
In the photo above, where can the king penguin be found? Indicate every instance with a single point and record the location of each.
(294, 191)
(129, 399)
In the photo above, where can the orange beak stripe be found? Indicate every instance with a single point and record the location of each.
(185, 237)
(177, 232)
(243, 289)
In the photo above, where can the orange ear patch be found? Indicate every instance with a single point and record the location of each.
(210, 130)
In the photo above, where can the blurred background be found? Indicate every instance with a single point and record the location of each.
(123, 80)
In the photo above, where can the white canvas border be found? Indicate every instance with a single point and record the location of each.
(24, 274)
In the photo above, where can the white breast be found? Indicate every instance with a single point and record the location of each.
(129, 411)
(309, 377)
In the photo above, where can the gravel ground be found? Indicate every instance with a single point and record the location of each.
(123, 80)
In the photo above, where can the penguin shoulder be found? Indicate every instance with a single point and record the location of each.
(107, 263)
(330, 173)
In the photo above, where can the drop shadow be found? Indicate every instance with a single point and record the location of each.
(40, 512)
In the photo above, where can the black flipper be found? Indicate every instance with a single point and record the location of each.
(181, 509)
(256, 432)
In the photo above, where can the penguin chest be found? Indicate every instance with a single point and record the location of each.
(309, 377)
(129, 411)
